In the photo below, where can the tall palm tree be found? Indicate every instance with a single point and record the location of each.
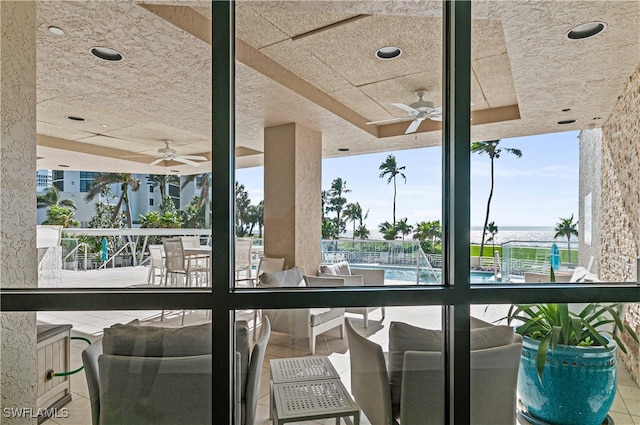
(491, 149)
(566, 227)
(126, 180)
(51, 196)
(389, 168)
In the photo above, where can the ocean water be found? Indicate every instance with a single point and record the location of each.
(515, 233)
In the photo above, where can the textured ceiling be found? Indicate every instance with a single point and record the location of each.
(313, 63)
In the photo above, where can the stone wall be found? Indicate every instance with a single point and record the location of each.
(620, 212)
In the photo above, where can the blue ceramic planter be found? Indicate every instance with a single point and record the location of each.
(578, 384)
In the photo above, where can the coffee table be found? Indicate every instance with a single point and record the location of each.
(313, 399)
(305, 388)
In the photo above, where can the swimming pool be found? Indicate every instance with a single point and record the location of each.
(427, 277)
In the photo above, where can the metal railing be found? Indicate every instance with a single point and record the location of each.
(74, 253)
(112, 259)
(403, 255)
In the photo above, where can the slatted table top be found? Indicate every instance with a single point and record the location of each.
(302, 369)
(314, 399)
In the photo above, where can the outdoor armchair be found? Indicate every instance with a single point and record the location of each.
(355, 277)
(301, 322)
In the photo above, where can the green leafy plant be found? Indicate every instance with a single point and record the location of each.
(554, 324)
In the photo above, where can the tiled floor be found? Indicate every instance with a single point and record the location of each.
(625, 411)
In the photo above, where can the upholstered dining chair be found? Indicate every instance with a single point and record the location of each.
(397, 389)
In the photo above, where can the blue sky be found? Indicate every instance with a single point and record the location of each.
(534, 190)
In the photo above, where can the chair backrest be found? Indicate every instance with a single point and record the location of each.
(243, 253)
(48, 235)
(255, 371)
(494, 377)
(174, 255)
(369, 379)
(270, 265)
(157, 253)
(190, 241)
(155, 390)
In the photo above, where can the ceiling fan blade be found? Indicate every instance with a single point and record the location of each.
(194, 157)
(157, 161)
(186, 161)
(435, 117)
(407, 108)
(413, 126)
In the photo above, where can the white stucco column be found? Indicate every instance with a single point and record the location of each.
(292, 195)
(18, 255)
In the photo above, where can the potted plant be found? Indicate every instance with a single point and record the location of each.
(568, 369)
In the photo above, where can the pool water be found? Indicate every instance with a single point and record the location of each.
(408, 274)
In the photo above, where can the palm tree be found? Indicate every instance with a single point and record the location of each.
(403, 227)
(337, 201)
(61, 216)
(566, 227)
(126, 180)
(389, 168)
(161, 181)
(353, 212)
(51, 196)
(203, 183)
(389, 231)
(493, 230)
(362, 232)
(491, 149)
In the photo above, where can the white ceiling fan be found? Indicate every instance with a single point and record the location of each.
(418, 112)
(169, 154)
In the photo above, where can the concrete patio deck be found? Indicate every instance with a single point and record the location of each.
(625, 411)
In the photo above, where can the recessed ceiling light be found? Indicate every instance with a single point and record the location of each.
(175, 171)
(388, 53)
(597, 118)
(343, 149)
(104, 125)
(106, 54)
(56, 30)
(75, 118)
(63, 166)
(586, 30)
(566, 109)
(566, 122)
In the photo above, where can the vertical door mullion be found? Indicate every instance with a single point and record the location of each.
(456, 143)
(222, 188)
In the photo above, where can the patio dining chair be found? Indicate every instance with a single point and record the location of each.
(179, 267)
(243, 256)
(156, 252)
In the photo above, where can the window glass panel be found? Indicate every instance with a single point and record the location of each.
(535, 388)
(158, 364)
(548, 157)
(350, 170)
(353, 362)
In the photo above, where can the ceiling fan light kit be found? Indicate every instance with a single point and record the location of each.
(418, 112)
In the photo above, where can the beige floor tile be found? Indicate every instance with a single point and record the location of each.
(621, 418)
